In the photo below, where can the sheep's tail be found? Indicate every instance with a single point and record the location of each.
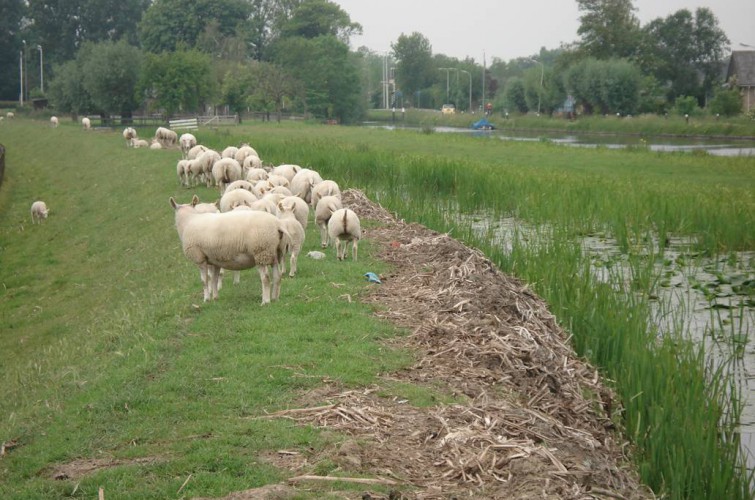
(345, 227)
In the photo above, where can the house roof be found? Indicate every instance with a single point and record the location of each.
(742, 64)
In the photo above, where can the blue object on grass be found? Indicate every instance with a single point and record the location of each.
(372, 278)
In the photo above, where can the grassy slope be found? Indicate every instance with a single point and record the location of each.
(104, 352)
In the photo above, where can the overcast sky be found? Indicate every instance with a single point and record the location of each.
(507, 29)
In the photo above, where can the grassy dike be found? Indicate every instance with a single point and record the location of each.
(106, 354)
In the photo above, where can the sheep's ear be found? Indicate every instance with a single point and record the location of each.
(173, 203)
(194, 201)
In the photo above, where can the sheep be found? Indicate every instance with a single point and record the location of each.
(240, 184)
(229, 152)
(295, 231)
(262, 187)
(225, 171)
(39, 211)
(139, 143)
(156, 145)
(206, 160)
(302, 183)
(86, 123)
(129, 134)
(10, 114)
(54, 121)
(301, 209)
(183, 172)
(265, 204)
(278, 180)
(244, 151)
(234, 198)
(255, 174)
(252, 162)
(236, 240)
(323, 212)
(281, 190)
(187, 141)
(196, 151)
(325, 188)
(344, 227)
(287, 171)
(166, 137)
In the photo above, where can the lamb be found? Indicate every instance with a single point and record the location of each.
(225, 171)
(281, 190)
(156, 145)
(323, 212)
(86, 123)
(344, 227)
(187, 141)
(229, 152)
(240, 184)
(302, 183)
(196, 151)
(265, 204)
(255, 174)
(166, 137)
(301, 209)
(325, 188)
(10, 114)
(206, 160)
(236, 240)
(129, 134)
(39, 211)
(278, 180)
(54, 121)
(139, 143)
(252, 162)
(286, 170)
(244, 151)
(183, 171)
(235, 198)
(295, 231)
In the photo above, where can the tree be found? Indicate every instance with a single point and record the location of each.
(608, 28)
(415, 69)
(513, 97)
(111, 71)
(315, 18)
(180, 80)
(171, 24)
(611, 86)
(726, 102)
(11, 14)
(66, 90)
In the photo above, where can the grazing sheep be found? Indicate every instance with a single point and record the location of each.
(166, 137)
(39, 211)
(183, 172)
(225, 171)
(300, 207)
(240, 184)
(281, 190)
(252, 162)
(229, 152)
(86, 123)
(295, 231)
(266, 204)
(325, 188)
(235, 198)
(262, 187)
(287, 171)
(344, 227)
(206, 160)
(10, 114)
(303, 182)
(139, 143)
(129, 134)
(236, 240)
(187, 141)
(278, 180)
(156, 145)
(54, 121)
(323, 212)
(255, 174)
(196, 151)
(244, 151)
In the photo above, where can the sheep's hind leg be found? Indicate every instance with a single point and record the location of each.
(214, 281)
(203, 274)
(355, 244)
(276, 282)
(265, 279)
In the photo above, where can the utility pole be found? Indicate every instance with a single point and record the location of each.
(41, 70)
(448, 72)
(21, 77)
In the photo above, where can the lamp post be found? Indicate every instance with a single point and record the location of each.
(542, 74)
(21, 78)
(25, 88)
(447, 70)
(41, 70)
(470, 88)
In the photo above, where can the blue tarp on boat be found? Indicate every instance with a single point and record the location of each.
(483, 124)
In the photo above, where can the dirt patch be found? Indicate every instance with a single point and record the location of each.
(80, 468)
(537, 418)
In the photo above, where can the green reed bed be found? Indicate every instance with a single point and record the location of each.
(679, 411)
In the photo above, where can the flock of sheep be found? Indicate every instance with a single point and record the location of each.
(260, 217)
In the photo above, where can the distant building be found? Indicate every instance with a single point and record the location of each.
(742, 73)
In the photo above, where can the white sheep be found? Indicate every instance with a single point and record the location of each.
(183, 171)
(166, 137)
(252, 162)
(225, 171)
(278, 180)
(54, 121)
(344, 227)
(229, 152)
(156, 145)
(286, 170)
(236, 240)
(196, 151)
(240, 184)
(300, 208)
(139, 143)
(39, 211)
(10, 114)
(244, 151)
(206, 161)
(129, 134)
(281, 190)
(186, 142)
(262, 187)
(255, 174)
(266, 204)
(235, 198)
(323, 212)
(325, 188)
(303, 182)
(86, 123)
(296, 236)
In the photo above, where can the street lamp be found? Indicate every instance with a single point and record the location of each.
(542, 74)
(447, 70)
(21, 77)
(470, 87)
(41, 70)
(25, 88)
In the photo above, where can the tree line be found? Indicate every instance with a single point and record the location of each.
(180, 56)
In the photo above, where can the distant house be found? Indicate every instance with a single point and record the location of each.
(742, 72)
